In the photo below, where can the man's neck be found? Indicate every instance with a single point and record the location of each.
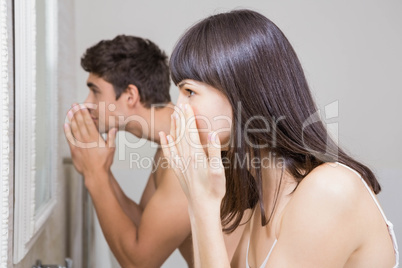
(150, 122)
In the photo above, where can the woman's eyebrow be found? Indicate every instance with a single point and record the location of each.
(181, 84)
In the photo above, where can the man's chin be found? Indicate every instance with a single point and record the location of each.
(102, 131)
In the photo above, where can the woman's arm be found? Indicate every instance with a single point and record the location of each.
(209, 246)
(202, 179)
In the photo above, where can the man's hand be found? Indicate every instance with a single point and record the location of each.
(89, 151)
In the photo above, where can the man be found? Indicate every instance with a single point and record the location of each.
(127, 76)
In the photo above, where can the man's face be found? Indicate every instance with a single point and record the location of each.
(102, 104)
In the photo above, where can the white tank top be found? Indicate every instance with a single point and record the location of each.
(389, 224)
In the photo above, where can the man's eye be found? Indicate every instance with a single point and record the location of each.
(190, 91)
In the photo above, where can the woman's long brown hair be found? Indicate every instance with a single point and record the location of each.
(248, 58)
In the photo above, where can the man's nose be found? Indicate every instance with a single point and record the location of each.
(89, 103)
(88, 99)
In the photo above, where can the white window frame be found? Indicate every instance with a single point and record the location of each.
(5, 135)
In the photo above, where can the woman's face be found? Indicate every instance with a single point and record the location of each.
(211, 107)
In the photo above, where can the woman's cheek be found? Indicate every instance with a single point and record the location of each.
(206, 125)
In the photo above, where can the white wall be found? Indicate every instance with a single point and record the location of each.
(350, 51)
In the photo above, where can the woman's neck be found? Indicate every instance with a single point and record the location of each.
(277, 183)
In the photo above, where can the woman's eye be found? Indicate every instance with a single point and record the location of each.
(190, 91)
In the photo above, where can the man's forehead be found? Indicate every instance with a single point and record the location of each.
(95, 81)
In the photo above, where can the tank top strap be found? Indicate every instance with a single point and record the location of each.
(248, 246)
(389, 224)
(266, 258)
(368, 189)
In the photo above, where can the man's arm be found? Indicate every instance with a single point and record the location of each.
(163, 226)
(164, 222)
(131, 208)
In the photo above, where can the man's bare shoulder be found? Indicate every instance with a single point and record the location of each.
(161, 178)
(163, 175)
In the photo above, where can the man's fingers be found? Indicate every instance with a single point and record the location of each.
(80, 120)
(73, 140)
(74, 126)
(111, 138)
(69, 136)
(78, 137)
(89, 123)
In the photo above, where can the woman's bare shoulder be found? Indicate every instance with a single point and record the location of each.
(332, 181)
(329, 189)
(323, 207)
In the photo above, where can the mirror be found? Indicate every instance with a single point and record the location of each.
(35, 124)
(43, 152)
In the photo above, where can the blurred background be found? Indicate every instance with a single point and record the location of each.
(350, 51)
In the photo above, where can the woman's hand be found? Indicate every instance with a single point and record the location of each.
(202, 177)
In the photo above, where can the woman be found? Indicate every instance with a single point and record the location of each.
(312, 204)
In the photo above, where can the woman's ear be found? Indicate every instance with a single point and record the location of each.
(132, 95)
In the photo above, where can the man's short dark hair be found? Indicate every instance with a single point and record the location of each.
(132, 60)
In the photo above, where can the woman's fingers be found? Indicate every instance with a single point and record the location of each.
(214, 153)
(216, 172)
(170, 151)
(174, 155)
(179, 124)
(192, 135)
(186, 146)
(165, 146)
(173, 125)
